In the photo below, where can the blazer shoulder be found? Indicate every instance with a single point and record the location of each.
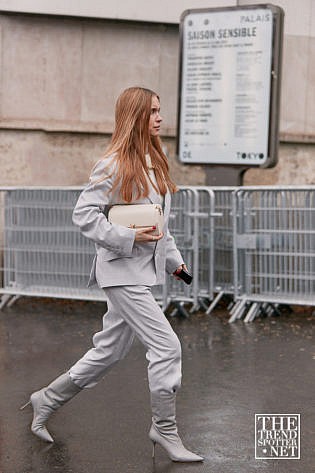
(103, 169)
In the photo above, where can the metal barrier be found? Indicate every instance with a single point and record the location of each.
(192, 227)
(223, 269)
(255, 243)
(274, 248)
(43, 253)
(181, 226)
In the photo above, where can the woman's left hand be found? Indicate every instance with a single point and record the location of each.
(143, 235)
(182, 266)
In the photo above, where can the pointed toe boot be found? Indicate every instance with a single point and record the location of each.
(164, 430)
(48, 400)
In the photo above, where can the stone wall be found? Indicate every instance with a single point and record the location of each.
(60, 78)
(296, 166)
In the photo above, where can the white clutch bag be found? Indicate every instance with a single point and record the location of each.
(138, 216)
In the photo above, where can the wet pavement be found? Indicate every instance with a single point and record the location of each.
(230, 373)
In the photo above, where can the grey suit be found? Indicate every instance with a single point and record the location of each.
(126, 269)
(119, 260)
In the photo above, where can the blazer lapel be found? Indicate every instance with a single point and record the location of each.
(154, 197)
(167, 204)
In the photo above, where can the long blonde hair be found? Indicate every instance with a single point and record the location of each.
(131, 141)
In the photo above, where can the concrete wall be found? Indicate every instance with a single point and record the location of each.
(162, 11)
(56, 158)
(297, 120)
(60, 78)
(65, 74)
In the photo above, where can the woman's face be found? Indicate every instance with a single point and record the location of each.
(155, 117)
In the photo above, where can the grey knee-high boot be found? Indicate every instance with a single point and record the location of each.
(48, 400)
(164, 430)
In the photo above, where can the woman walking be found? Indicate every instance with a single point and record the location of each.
(128, 262)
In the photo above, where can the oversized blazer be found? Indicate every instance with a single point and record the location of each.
(119, 259)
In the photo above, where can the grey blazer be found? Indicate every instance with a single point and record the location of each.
(119, 260)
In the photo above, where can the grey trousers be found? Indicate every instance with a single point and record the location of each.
(132, 311)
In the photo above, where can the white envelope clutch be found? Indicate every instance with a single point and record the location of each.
(138, 216)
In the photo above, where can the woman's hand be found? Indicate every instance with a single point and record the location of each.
(182, 266)
(143, 235)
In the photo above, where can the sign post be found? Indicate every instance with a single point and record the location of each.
(230, 89)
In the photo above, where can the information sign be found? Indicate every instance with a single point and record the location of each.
(226, 83)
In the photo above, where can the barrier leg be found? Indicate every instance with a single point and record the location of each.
(214, 302)
(252, 313)
(237, 310)
(180, 309)
(203, 303)
(5, 300)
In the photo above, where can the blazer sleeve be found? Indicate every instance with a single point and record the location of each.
(88, 215)
(173, 257)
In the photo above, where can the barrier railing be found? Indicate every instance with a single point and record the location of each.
(191, 224)
(223, 269)
(43, 253)
(274, 248)
(257, 244)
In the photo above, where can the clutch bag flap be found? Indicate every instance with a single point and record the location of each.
(138, 216)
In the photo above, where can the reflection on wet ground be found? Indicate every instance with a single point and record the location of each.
(230, 373)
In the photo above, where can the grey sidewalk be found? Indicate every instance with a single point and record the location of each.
(230, 372)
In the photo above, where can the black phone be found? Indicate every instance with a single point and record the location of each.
(185, 276)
